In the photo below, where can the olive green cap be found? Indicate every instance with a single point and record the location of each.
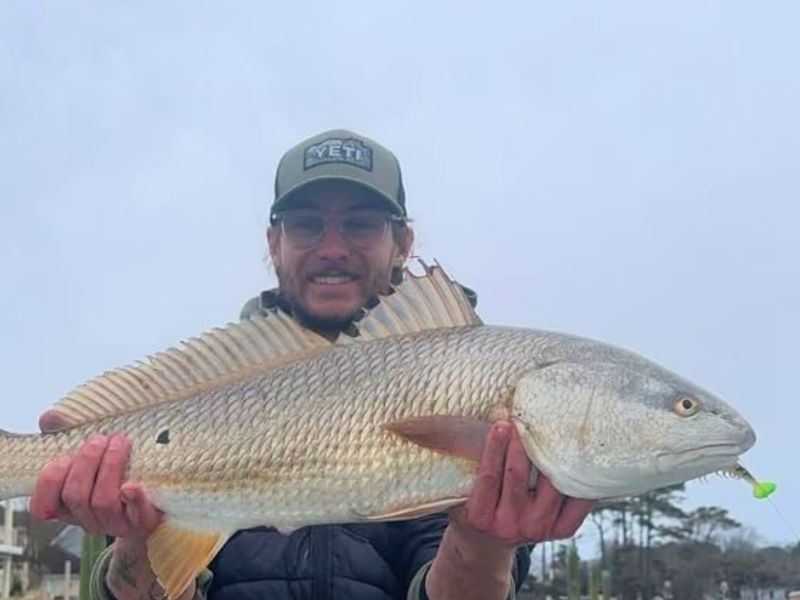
(342, 155)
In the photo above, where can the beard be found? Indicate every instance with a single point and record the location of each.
(327, 326)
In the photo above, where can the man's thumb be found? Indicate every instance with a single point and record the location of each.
(52, 421)
(141, 513)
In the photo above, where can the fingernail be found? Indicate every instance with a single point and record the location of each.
(533, 478)
(63, 461)
(502, 429)
(97, 441)
(127, 495)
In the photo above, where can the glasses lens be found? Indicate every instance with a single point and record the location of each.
(363, 228)
(302, 228)
(358, 228)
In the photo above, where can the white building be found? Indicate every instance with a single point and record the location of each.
(14, 572)
(774, 593)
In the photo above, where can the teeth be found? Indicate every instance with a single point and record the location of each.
(332, 279)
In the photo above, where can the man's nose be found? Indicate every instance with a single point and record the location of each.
(332, 245)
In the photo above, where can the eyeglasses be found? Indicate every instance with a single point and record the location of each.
(361, 229)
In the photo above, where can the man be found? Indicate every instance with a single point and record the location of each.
(338, 237)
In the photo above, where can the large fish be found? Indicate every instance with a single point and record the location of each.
(265, 423)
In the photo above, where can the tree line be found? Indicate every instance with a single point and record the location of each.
(650, 547)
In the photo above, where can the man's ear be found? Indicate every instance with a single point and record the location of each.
(274, 245)
(405, 243)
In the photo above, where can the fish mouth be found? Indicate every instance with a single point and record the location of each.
(737, 471)
(719, 456)
(719, 448)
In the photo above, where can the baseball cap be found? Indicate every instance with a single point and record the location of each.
(341, 155)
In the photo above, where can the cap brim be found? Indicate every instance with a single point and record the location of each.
(285, 199)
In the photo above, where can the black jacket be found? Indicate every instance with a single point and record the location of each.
(374, 561)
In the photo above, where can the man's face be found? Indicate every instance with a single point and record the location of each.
(329, 281)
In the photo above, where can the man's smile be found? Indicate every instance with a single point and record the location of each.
(334, 278)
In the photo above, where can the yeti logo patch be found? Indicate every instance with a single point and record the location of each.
(350, 151)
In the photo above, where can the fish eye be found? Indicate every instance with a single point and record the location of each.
(686, 406)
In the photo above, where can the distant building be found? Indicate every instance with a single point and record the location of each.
(12, 550)
(53, 586)
(768, 593)
(39, 551)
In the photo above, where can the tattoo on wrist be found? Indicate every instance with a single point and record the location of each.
(121, 570)
(122, 573)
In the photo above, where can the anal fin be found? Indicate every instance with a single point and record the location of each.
(177, 555)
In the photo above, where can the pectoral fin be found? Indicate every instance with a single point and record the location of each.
(177, 555)
(457, 436)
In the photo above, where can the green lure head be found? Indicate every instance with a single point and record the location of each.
(763, 489)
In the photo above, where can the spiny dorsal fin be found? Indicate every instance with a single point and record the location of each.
(259, 344)
(217, 357)
(422, 302)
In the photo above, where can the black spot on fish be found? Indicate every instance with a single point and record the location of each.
(163, 437)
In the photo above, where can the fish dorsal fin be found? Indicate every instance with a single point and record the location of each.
(218, 357)
(420, 303)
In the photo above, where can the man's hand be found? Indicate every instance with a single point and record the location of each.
(503, 507)
(86, 488)
(502, 513)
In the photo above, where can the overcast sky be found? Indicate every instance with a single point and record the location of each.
(615, 170)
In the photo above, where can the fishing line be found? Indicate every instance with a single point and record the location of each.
(762, 490)
(785, 520)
